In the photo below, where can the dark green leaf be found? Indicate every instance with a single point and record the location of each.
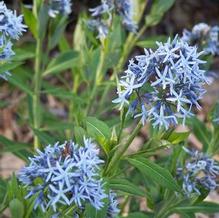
(90, 211)
(11, 146)
(62, 62)
(3, 189)
(17, 80)
(23, 54)
(62, 93)
(57, 126)
(43, 18)
(44, 137)
(126, 186)
(203, 134)
(9, 66)
(204, 207)
(155, 172)
(60, 28)
(158, 9)
(21, 150)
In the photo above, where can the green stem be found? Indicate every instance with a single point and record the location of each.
(98, 79)
(123, 148)
(122, 115)
(72, 116)
(37, 87)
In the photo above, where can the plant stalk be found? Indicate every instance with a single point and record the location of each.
(123, 148)
(98, 79)
(37, 87)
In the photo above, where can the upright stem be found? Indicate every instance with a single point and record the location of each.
(72, 116)
(98, 79)
(123, 148)
(37, 87)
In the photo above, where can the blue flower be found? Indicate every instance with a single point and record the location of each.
(64, 175)
(163, 85)
(11, 27)
(112, 209)
(103, 16)
(99, 26)
(6, 49)
(125, 10)
(204, 36)
(199, 170)
(10, 24)
(62, 7)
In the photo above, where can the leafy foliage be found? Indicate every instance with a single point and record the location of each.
(67, 81)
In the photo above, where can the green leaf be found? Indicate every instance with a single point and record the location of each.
(23, 54)
(158, 10)
(214, 115)
(155, 172)
(79, 134)
(150, 42)
(16, 208)
(62, 62)
(63, 44)
(204, 207)
(12, 146)
(98, 128)
(79, 39)
(57, 126)
(30, 20)
(100, 131)
(21, 150)
(62, 93)
(177, 137)
(60, 28)
(43, 18)
(201, 131)
(3, 189)
(9, 66)
(90, 211)
(44, 137)
(126, 186)
(19, 81)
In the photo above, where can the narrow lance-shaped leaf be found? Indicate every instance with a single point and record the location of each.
(30, 20)
(155, 172)
(158, 9)
(62, 62)
(204, 207)
(126, 186)
(99, 131)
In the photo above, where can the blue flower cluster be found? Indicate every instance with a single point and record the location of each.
(66, 174)
(164, 84)
(112, 210)
(11, 28)
(199, 171)
(62, 7)
(204, 36)
(123, 8)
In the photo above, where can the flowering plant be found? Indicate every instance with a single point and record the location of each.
(87, 98)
